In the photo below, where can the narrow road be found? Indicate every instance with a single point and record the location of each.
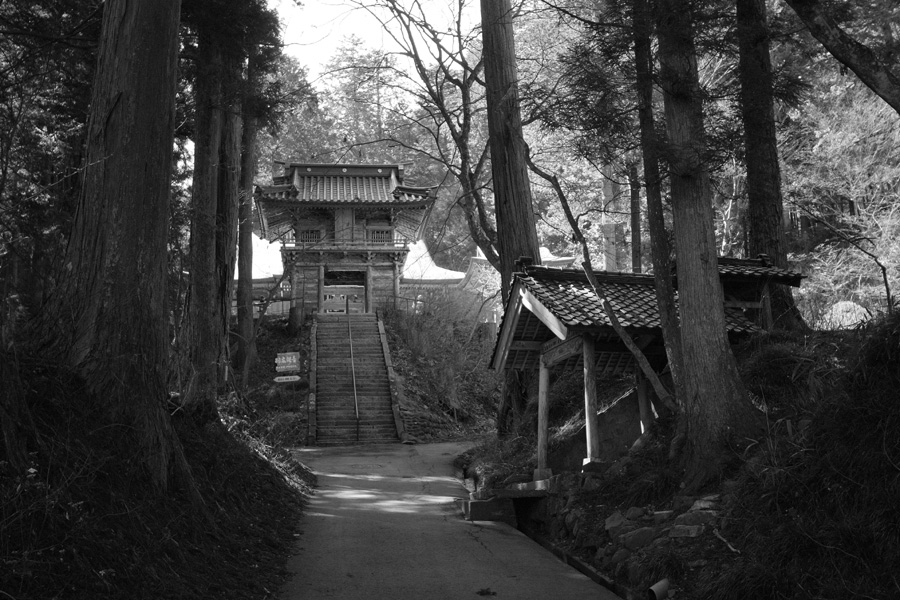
(383, 524)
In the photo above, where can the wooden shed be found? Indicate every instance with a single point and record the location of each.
(553, 318)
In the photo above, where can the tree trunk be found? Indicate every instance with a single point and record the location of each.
(205, 340)
(112, 311)
(516, 233)
(229, 174)
(766, 208)
(246, 354)
(660, 251)
(634, 184)
(716, 404)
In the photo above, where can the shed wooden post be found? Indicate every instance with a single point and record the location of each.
(590, 400)
(643, 401)
(543, 471)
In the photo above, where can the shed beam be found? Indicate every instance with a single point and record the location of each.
(555, 351)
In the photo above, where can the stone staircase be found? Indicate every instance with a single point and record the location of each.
(336, 422)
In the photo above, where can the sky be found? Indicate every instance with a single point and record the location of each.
(313, 30)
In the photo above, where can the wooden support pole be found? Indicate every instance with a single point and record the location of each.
(543, 471)
(643, 401)
(590, 400)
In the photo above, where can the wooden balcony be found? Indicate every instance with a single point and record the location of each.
(335, 246)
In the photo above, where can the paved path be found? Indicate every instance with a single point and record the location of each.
(383, 525)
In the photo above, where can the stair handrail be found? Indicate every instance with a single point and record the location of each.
(352, 366)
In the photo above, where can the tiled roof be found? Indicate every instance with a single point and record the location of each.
(345, 190)
(344, 184)
(757, 268)
(569, 296)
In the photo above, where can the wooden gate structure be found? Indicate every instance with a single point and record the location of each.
(342, 225)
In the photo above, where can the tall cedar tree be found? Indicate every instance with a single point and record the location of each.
(214, 215)
(227, 34)
(716, 408)
(765, 204)
(660, 251)
(261, 100)
(516, 232)
(111, 313)
(246, 354)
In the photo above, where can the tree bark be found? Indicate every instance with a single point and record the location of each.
(246, 355)
(852, 54)
(765, 204)
(229, 174)
(715, 403)
(112, 311)
(205, 340)
(516, 233)
(660, 251)
(634, 184)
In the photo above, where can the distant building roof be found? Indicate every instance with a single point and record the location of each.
(322, 184)
(478, 263)
(420, 268)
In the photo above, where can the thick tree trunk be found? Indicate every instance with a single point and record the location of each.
(246, 355)
(204, 331)
(716, 404)
(660, 251)
(766, 207)
(214, 225)
(112, 311)
(516, 233)
(229, 174)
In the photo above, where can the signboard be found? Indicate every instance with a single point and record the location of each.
(287, 362)
(287, 378)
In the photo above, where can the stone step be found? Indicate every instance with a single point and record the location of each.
(349, 434)
(346, 426)
(336, 422)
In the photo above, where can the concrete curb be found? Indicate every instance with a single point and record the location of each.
(584, 568)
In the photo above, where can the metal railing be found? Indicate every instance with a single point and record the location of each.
(352, 366)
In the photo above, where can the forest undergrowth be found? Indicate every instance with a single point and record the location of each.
(82, 521)
(808, 511)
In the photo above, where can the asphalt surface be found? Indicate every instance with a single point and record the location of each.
(383, 524)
